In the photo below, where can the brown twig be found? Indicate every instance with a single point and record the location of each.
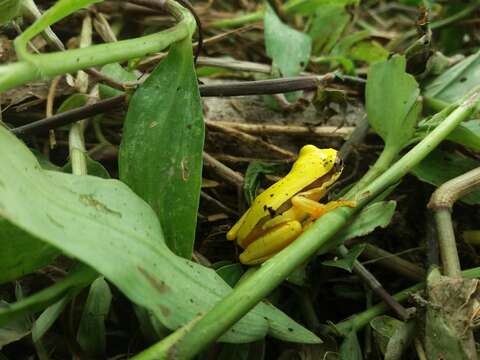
(230, 176)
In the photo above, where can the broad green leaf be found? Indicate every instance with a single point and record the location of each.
(105, 225)
(93, 168)
(457, 81)
(350, 348)
(288, 48)
(346, 263)
(91, 331)
(391, 101)
(441, 166)
(368, 51)
(20, 253)
(8, 10)
(230, 273)
(378, 214)
(327, 26)
(116, 72)
(309, 7)
(253, 177)
(72, 102)
(161, 151)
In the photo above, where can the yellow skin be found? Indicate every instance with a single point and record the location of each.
(284, 210)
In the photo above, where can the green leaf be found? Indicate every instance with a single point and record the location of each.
(48, 317)
(392, 102)
(8, 10)
(346, 263)
(116, 72)
(91, 331)
(308, 7)
(457, 81)
(350, 348)
(441, 166)
(14, 330)
(93, 168)
(22, 256)
(401, 341)
(72, 102)
(368, 51)
(288, 48)
(105, 225)
(230, 273)
(327, 26)
(383, 329)
(161, 151)
(378, 214)
(253, 177)
(77, 279)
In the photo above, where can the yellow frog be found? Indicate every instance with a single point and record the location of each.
(284, 210)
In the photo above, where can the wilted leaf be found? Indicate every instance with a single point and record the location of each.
(440, 166)
(392, 102)
(288, 48)
(161, 151)
(105, 225)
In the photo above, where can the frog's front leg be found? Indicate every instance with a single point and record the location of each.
(271, 242)
(307, 202)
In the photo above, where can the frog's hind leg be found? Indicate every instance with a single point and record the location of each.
(315, 209)
(270, 243)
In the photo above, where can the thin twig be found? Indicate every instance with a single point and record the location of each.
(271, 148)
(230, 176)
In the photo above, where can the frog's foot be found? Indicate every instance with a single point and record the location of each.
(315, 209)
(270, 243)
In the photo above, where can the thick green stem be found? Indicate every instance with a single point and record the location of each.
(247, 294)
(57, 63)
(358, 321)
(446, 242)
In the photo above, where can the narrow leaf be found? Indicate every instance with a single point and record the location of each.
(91, 331)
(105, 225)
(346, 263)
(161, 152)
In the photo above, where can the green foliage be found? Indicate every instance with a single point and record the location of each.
(392, 102)
(350, 348)
(327, 26)
(8, 10)
(308, 7)
(105, 225)
(378, 214)
(161, 151)
(457, 81)
(231, 273)
(253, 177)
(91, 331)
(117, 72)
(288, 48)
(441, 166)
(347, 262)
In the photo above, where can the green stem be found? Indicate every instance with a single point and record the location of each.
(271, 273)
(48, 65)
(446, 242)
(358, 321)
